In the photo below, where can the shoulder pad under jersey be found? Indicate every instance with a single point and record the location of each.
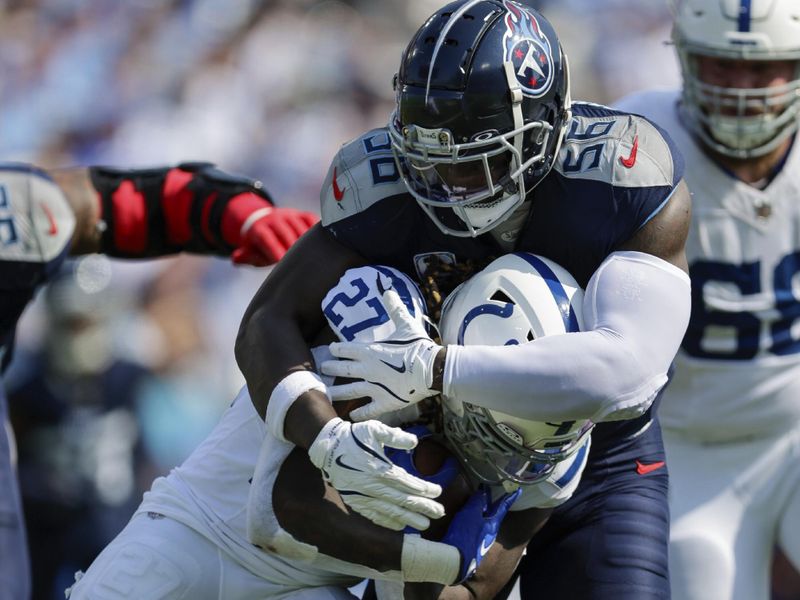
(36, 222)
(363, 172)
(620, 149)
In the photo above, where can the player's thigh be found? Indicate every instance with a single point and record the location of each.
(705, 520)
(610, 540)
(155, 558)
(726, 502)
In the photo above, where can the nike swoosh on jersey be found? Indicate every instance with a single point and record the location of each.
(631, 160)
(53, 226)
(644, 469)
(400, 369)
(484, 548)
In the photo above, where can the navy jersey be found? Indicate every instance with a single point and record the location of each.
(614, 172)
(36, 226)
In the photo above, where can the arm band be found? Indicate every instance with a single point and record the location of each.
(423, 560)
(636, 310)
(289, 389)
(153, 212)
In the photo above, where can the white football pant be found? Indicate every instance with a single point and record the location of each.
(730, 504)
(162, 559)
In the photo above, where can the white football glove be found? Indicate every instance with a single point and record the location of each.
(351, 458)
(395, 372)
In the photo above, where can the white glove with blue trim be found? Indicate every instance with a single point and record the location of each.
(352, 460)
(395, 372)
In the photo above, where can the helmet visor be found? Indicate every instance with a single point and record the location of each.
(468, 181)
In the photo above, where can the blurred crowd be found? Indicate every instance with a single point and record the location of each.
(122, 368)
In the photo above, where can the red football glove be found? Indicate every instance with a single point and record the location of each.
(262, 233)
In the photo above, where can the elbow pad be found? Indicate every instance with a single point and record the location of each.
(263, 528)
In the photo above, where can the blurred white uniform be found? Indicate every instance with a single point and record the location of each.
(188, 538)
(731, 415)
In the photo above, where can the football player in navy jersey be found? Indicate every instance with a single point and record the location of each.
(486, 155)
(124, 213)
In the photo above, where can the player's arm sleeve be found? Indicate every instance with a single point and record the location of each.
(636, 310)
(165, 210)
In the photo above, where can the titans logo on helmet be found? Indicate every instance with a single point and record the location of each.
(528, 49)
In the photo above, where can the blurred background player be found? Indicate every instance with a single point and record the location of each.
(125, 213)
(731, 415)
(73, 407)
(486, 154)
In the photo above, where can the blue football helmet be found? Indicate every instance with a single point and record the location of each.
(482, 105)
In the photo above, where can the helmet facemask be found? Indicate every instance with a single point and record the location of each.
(482, 106)
(494, 452)
(482, 181)
(740, 122)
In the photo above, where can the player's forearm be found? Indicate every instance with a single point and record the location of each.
(270, 345)
(77, 187)
(636, 308)
(283, 320)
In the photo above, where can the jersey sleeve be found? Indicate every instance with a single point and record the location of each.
(36, 226)
(627, 154)
(363, 173)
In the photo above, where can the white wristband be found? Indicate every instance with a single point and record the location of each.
(289, 389)
(423, 560)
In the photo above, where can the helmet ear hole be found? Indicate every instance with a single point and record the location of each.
(530, 337)
(501, 296)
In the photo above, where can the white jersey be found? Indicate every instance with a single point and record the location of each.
(738, 372)
(209, 491)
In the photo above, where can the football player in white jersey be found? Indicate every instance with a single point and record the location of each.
(731, 415)
(196, 531)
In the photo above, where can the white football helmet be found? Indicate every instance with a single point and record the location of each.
(740, 123)
(515, 300)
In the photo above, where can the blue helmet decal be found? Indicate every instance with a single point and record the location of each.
(556, 288)
(528, 49)
(503, 312)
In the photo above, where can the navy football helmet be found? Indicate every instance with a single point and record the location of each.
(482, 105)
